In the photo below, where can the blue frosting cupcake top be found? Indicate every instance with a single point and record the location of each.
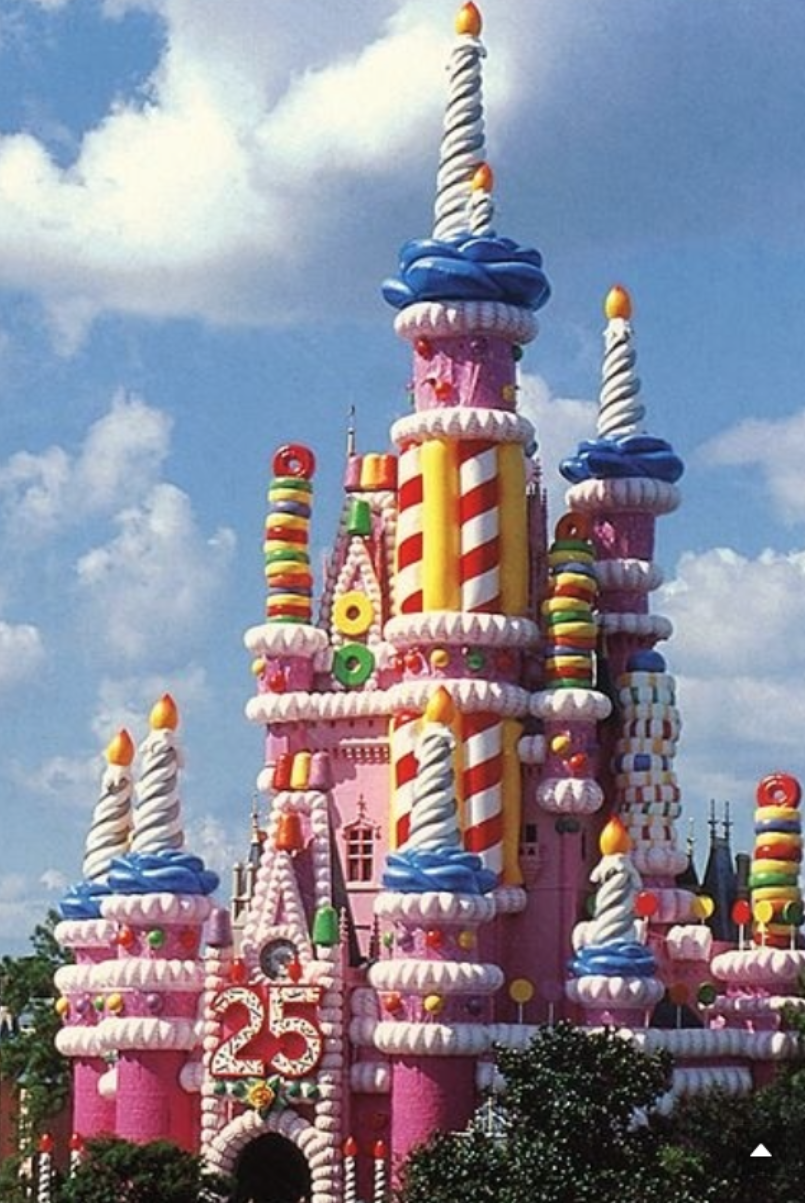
(166, 872)
(618, 959)
(630, 455)
(448, 870)
(468, 267)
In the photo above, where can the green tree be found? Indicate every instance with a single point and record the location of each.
(115, 1171)
(29, 1054)
(575, 1125)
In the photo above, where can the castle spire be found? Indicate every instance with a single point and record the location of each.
(462, 149)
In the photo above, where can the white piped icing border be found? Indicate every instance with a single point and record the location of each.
(299, 705)
(422, 1039)
(586, 705)
(628, 574)
(450, 626)
(689, 942)
(157, 907)
(436, 905)
(466, 317)
(599, 990)
(497, 425)
(421, 977)
(570, 795)
(624, 493)
(85, 933)
(656, 626)
(472, 697)
(759, 966)
(135, 973)
(285, 639)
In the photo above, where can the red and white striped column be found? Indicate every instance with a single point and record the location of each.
(483, 788)
(404, 766)
(408, 583)
(479, 526)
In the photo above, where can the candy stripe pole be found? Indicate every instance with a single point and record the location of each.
(512, 803)
(483, 793)
(513, 527)
(404, 734)
(379, 1156)
(350, 1178)
(479, 527)
(408, 586)
(45, 1168)
(462, 150)
(440, 584)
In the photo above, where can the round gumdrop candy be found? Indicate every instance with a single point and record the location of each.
(156, 937)
(647, 661)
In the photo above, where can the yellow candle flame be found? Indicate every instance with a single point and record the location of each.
(120, 749)
(440, 708)
(483, 180)
(618, 303)
(164, 715)
(614, 838)
(469, 20)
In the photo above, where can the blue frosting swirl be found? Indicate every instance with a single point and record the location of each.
(83, 900)
(450, 870)
(646, 661)
(165, 872)
(630, 455)
(621, 958)
(468, 267)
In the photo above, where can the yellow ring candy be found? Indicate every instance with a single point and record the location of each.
(764, 813)
(554, 604)
(352, 613)
(775, 866)
(783, 893)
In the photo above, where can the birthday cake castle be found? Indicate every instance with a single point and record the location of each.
(477, 724)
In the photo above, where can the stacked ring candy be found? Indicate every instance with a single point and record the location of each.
(648, 797)
(287, 536)
(776, 858)
(567, 611)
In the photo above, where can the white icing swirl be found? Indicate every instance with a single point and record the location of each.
(620, 413)
(442, 318)
(434, 816)
(614, 917)
(462, 149)
(111, 822)
(157, 814)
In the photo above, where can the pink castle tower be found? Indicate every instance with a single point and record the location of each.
(91, 937)
(147, 987)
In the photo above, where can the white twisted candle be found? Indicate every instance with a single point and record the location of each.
(157, 815)
(111, 820)
(462, 149)
(620, 412)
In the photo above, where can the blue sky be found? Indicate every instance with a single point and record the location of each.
(198, 202)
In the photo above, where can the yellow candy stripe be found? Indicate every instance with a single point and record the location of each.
(440, 539)
(513, 529)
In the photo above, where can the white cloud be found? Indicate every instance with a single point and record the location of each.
(219, 845)
(54, 881)
(777, 448)
(119, 460)
(22, 653)
(560, 423)
(148, 590)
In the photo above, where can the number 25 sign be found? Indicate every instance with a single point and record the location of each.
(276, 1041)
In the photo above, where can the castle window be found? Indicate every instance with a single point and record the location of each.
(360, 837)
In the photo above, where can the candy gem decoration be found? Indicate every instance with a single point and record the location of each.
(776, 860)
(157, 814)
(111, 820)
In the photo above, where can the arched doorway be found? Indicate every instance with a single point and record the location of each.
(271, 1169)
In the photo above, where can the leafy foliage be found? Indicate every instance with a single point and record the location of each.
(578, 1128)
(29, 1055)
(115, 1171)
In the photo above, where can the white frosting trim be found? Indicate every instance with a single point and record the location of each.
(433, 905)
(630, 575)
(757, 966)
(370, 1077)
(157, 908)
(421, 977)
(599, 990)
(654, 625)
(85, 933)
(457, 318)
(658, 858)
(430, 1039)
(570, 795)
(584, 704)
(689, 942)
(718, 1043)
(134, 973)
(144, 1032)
(531, 749)
(471, 696)
(625, 493)
(298, 705)
(497, 425)
(510, 900)
(79, 1041)
(449, 626)
(285, 639)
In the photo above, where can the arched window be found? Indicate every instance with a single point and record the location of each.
(360, 836)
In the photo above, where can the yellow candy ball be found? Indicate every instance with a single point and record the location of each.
(114, 1003)
(433, 1004)
(258, 666)
(521, 990)
(62, 1007)
(466, 940)
(561, 744)
(439, 658)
